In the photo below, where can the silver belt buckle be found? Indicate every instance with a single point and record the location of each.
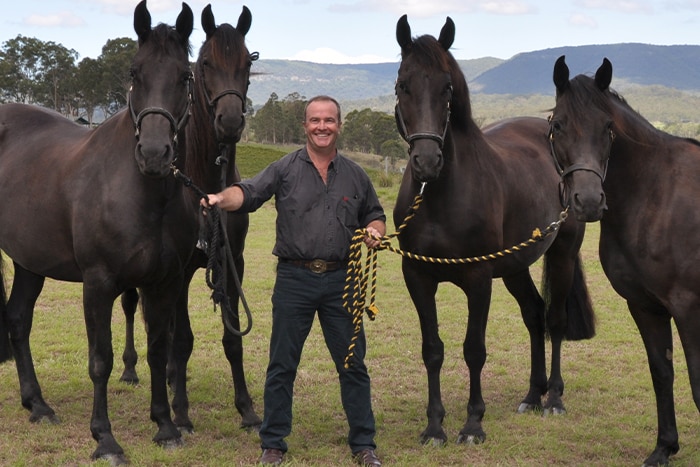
(318, 266)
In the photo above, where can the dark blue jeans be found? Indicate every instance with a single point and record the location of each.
(297, 296)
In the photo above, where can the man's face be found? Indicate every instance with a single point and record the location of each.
(321, 125)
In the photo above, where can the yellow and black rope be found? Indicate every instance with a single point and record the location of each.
(357, 279)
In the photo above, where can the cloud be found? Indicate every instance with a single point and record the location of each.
(60, 19)
(328, 55)
(623, 6)
(425, 8)
(507, 8)
(581, 20)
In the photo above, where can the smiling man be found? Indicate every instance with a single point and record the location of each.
(321, 198)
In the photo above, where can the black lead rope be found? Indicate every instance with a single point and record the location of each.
(218, 251)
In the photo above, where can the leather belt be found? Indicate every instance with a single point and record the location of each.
(318, 266)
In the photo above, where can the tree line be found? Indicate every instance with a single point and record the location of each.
(48, 74)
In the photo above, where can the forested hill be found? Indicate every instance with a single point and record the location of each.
(676, 66)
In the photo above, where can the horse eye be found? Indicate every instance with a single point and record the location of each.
(556, 127)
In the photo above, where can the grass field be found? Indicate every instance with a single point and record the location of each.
(611, 419)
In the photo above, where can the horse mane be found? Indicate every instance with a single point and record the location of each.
(584, 93)
(225, 45)
(163, 33)
(428, 53)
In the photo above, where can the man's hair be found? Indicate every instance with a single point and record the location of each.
(323, 98)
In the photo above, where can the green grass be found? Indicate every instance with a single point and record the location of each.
(611, 417)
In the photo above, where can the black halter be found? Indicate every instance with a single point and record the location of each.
(211, 101)
(563, 172)
(175, 126)
(410, 138)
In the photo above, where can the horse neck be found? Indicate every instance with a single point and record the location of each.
(635, 139)
(202, 150)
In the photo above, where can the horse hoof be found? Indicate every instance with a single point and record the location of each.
(470, 439)
(251, 428)
(45, 419)
(554, 411)
(524, 407)
(115, 459)
(171, 443)
(186, 429)
(129, 379)
(434, 442)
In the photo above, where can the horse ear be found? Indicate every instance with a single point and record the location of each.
(603, 76)
(561, 75)
(208, 23)
(142, 21)
(403, 33)
(447, 34)
(244, 21)
(185, 22)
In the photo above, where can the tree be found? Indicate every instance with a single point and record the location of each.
(394, 150)
(116, 58)
(36, 72)
(293, 107)
(266, 121)
(366, 130)
(92, 89)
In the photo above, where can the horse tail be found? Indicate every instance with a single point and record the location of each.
(5, 348)
(580, 317)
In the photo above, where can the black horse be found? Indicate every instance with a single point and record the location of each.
(484, 192)
(99, 206)
(642, 184)
(222, 73)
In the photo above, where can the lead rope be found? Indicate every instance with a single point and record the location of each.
(355, 291)
(219, 254)
(356, 279)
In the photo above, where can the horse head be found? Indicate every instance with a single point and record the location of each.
(424, 92)
(223, 74)
(160, 95)
(581, 137)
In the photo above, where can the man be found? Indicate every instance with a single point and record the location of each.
(321, 198)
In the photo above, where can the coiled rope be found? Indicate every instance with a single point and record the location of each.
(357, 279)
(219, 255)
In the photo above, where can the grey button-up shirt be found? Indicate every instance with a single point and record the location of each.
(314, 220)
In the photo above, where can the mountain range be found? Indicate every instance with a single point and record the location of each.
(528, 73)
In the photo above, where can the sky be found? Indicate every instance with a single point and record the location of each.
(363, 31)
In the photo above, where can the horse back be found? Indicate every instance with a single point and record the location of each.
(497, 186)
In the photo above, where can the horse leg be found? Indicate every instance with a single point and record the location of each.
(5, 347)
(178, 356)
(569, 312)
(655, 328)
(129, 300)
(233, 348)
(158, 304)
(20, 314)
(689, 330)
(523, 289)
(422, 290)
(97, 305)
(478, 290)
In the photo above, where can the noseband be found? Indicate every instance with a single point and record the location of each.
(410, 138)
(175, 126)
(563, 172)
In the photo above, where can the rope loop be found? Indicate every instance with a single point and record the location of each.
(357, 279)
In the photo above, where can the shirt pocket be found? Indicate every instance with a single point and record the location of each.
(349, 211)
